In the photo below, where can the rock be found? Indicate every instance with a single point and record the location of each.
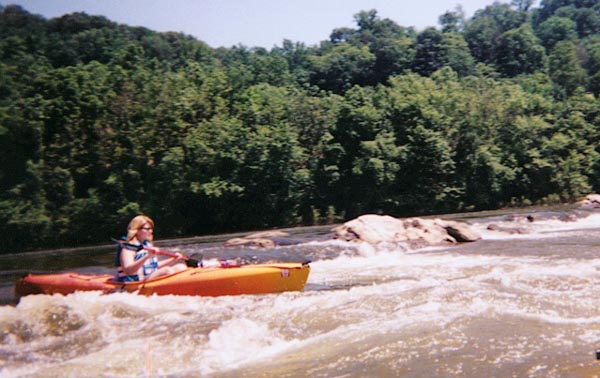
(263, 239)
(375, 229)
(461, 231)
(568, 217)
(267, 234)
(371, 228)
(253, 242)
(591, 200)
(507, 230)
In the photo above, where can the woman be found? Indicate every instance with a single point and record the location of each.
(139, 259)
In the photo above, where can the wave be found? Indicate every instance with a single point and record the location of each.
(535, 225)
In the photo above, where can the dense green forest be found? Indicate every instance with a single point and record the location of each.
(100, 121)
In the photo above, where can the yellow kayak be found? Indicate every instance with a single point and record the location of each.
(236, 280)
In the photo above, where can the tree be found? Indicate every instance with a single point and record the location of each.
(592, 64)
(435, 50)
(556, 29)
(391, 44)
(17, 22)
(429, 55)
(452, 21)
(522, 5)
(457, 54)
(483, 31)
(583, 13)
(564, 68)
(588, 22)
(342, 67)
(428, 168)
(519, 52)
(296, 55)
(270, 68)
(358, 123)
(23, 216)
(377, 166)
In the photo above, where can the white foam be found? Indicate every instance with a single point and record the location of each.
(240, 341)
(544, 228)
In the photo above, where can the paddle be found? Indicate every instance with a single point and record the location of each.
(191, 262)
(195, 263)
(188, 260)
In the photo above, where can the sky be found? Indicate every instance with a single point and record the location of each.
(253, 23)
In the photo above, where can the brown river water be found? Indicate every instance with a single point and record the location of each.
(511, 305)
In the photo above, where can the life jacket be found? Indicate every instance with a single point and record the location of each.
(148, 268)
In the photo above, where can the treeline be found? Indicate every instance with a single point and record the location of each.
(100, 121)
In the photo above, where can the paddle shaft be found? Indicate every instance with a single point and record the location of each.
(166, 253)
(188, 261)
(195, 263)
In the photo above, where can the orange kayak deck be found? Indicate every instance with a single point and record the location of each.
(237, 280)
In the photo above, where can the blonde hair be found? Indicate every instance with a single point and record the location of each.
(136, 223)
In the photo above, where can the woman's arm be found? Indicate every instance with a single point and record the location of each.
(169, 261)
(128, 262)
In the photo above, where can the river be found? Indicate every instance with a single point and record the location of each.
(523, 304)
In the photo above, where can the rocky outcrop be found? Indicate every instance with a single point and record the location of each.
(591, 200)
(375, 229)
(460, 231)
(256, 242)
(264, 239)
(268, 234)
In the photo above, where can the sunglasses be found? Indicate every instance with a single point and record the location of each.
(147, 228)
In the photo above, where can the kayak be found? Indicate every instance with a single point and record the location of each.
(202, 281)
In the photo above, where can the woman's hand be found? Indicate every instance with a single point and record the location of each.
(152, 250)
(178, 256)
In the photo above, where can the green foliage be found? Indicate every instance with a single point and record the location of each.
(483, 31)
(564, 68)
(436, 50)
(392, 45)
(519, 52)
(452, 21)
(100, 122)
(592, 65)
(342, 67)
(556, 29)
